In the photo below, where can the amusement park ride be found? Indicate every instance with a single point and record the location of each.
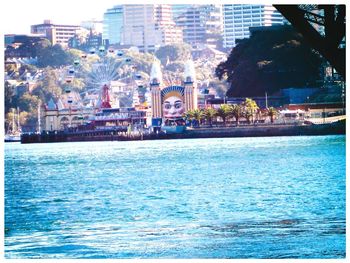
(105, 100)
(102, 72)
(105, 67)
(111, 98)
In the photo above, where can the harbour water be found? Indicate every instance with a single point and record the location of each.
(271, 197)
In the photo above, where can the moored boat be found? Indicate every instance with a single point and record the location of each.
(12, 137)
(14, 132)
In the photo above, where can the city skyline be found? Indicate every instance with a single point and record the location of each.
(63, 12)
(57, 12)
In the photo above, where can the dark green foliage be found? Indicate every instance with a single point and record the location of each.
(175, 67)
(268, 61)
(173, 52)
(49, 87)
(54, 56)
(10, 96)
(29, 102)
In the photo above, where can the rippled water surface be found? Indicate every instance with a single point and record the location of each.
(280, 197)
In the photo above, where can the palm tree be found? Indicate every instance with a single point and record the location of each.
(197, 115)
(272, 112)
(188, 116)
(223, 112)
(236, 111)
(209, 114)
(250, 107)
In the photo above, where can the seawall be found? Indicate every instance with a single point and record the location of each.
(217, 132)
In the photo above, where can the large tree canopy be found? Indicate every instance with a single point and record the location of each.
(173, 52)
(269, 61)
(54, 56)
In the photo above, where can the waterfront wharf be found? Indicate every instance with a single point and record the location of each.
(191, 133)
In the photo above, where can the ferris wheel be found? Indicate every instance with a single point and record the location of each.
(99, 70)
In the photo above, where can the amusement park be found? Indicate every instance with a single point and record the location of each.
(122, 103)
(97, 89)
(185, 131)
(119, 99)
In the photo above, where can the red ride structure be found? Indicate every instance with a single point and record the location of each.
(105, 97)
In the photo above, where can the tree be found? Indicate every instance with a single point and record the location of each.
(173, 52)
(271, 112)
(236, 111)
(209, 114)
(41, 44)
(197, 115)
(188, 116)
(269, 61)
(10, 96)
(10, 121)
(142, 61)
(12, 118)
(49, 86)
(177, 66)
(249, 109)
(223, 112)
(54, 56)
(29, 103)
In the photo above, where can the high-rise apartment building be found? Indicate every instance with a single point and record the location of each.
(57, 34)
(200, 23)
(149, 26)
(238, 18)
(112, 25)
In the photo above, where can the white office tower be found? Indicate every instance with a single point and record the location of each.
(112, 25)
(149, 27)
(238, 18)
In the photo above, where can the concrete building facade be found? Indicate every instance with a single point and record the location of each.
(57, 34)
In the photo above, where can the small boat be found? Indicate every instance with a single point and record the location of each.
(12, 137)
(14, 132)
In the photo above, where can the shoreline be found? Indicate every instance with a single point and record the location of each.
(192, 133)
